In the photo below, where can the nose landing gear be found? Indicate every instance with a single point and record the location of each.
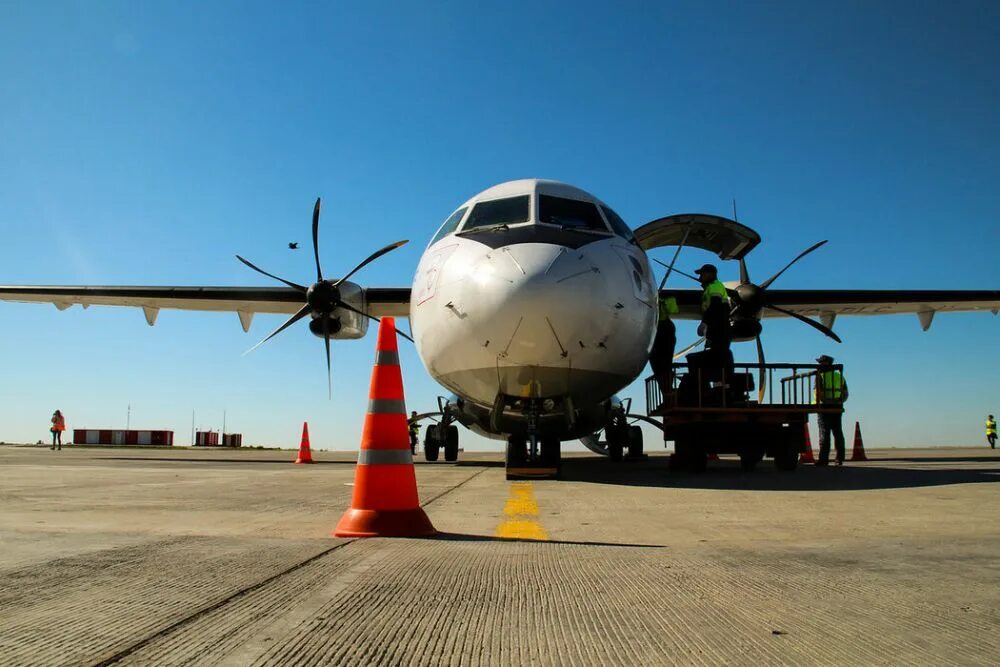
(533, 455)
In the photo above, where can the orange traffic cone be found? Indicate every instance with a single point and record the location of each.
(859, 445)
(305, 454)
(385, 502)
(807, 449)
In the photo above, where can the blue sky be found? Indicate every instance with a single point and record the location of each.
(148, 143)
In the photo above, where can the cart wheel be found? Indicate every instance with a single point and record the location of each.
(787, 459)
(698, 461)
(749, 460)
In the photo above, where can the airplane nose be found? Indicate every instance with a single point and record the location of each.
(545, 302)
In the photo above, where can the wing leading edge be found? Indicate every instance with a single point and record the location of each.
(246, 301)
(828, 304)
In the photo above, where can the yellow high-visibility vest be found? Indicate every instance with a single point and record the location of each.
(833, 384)
(712, 290)
(668, 307)
(991, 427)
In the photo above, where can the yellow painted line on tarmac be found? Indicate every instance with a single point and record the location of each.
(521, 512)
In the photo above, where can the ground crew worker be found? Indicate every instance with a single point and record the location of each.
(58, 426)
(715, 325)
(661, 356)
(831, 389)
(991, 431)
(414, 429)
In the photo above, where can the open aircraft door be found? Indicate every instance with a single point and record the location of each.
(726, 238)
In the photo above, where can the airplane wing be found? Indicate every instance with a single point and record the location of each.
(246, 301)
(828, 304)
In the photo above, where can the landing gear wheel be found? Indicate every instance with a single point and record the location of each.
(517, 452)
(634, 442)
(550, 451)
(431, 443)
(616, 450)
(451, 444)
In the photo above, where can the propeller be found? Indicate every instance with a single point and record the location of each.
(323, 297)
(751, 299)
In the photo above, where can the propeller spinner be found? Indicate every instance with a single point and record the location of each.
(322, 298)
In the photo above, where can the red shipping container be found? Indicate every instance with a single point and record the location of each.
(79, 436)
(131, 437)
(105, 437)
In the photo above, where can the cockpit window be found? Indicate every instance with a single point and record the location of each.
(569, 213)
(617, 224)
(450, 224)
(509, 211)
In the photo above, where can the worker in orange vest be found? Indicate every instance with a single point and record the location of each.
(58, 426)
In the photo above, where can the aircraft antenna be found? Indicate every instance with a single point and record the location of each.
(735, 217)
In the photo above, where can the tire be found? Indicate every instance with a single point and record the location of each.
(517, 451)
(431, 444)
(697, 461)
(550, 451)
(749, 461)
(786, 460)
(616, 450)
(634, 442)
(451, 444)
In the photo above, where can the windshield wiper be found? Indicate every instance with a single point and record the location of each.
(502, 227)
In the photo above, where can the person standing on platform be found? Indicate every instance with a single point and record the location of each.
(715, 326)
(831, 390)
(58, 426)
(991, 431)
(661, 356)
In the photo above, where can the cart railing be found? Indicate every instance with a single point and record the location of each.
(728, 387)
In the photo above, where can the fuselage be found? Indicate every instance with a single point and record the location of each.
(533, 289)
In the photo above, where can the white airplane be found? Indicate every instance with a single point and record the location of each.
(534, 303)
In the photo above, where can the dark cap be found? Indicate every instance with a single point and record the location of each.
(707, 268)
(824, 359)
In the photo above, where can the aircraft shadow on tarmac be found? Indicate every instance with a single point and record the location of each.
(726, 475)
(462, 537)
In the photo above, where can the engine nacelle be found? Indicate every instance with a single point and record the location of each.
(343, 325)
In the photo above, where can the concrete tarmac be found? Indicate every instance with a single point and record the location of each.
(169, 557)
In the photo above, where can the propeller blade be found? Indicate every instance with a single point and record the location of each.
(319, 271)
(271, 275)
(813, 323)
(347, 306)
(744, 274)
(329, 370)
(802, 254)
(371, 258)
(289, 322)
(762, 379)
(689, 348)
